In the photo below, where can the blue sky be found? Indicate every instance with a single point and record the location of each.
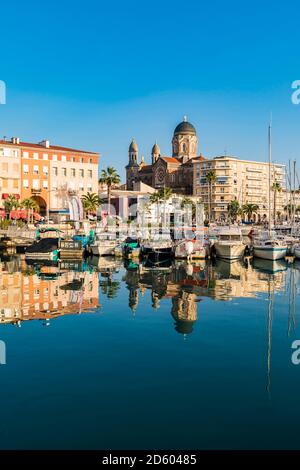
(94, 74)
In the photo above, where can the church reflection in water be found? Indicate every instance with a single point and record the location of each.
(44, 292)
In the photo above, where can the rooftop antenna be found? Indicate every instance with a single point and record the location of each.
(184, 118)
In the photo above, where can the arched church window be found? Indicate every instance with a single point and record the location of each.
(184, 147)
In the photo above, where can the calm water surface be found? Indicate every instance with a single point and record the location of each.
(189, 356)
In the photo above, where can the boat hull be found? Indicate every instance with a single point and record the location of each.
(270, 253)
(51, 255)
(231, 252)
(158, 255)
(103, 250)
(297, 253)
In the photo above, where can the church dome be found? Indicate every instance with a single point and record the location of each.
(185, 127)
(155, 149)
(133, 146)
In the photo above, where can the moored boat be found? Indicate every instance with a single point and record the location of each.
(271, 249)
(229, 243)
(158, 249)
(44, 249)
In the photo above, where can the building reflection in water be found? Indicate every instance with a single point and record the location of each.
(29, 292)
(187, 283)
(45, 292)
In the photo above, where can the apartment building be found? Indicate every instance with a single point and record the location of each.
(49, 174)
(10, 169)
(242, 180)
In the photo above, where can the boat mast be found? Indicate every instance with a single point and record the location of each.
(270, 175)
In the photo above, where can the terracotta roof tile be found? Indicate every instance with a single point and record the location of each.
(42, 147)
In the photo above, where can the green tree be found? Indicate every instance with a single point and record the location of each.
(31, 206)
(90, 202)
(109, 177)
(186, 201)
(11, 203)
(233, 209)
(162, 195)
(289, 208)
(210, 178)
(249, 210)
(276, 188)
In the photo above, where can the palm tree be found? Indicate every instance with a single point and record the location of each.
(90, 202)
(289, 208)
(162, 195)
(233, 209)
(30, 205)
(186, 201)
(249, 210)
(210, 178)
(10, 203)
(276, 188)
(109, 177)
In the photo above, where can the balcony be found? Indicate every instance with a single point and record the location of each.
(36, 192)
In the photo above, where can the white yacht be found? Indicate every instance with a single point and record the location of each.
(297, 250)
(229, 243)
(269, 248)
(105, 244)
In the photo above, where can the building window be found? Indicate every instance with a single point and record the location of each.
(81, 186)
(25, 155)
(72, 159)
(89, 187)
(15, 184)
(54, 158)
(81, 160)
(15, 167)
(54, 185)
(36, 156)
(45, 184)
(64, 171)
(81, 172)
(73, 172)
(54, 170)
(5, 167)
(45, 156)
(25, 184)
(25, 169)
(90, 160)
(36, 184)
(90, 174)
(63, 158)
(35, 169)
(45, 170)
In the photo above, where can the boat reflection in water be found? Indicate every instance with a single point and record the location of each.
(49, 290)
(45, 291)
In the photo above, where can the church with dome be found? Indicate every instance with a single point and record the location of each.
(175, 171)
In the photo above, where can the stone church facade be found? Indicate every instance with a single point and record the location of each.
(174, 171)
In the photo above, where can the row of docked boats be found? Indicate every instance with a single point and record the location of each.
(230, 243)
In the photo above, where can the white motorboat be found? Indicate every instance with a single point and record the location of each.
(195, 249)
(229, 244)
(105, 244)
(270, 248)
(297, 250)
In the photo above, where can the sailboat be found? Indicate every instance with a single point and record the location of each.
(269, 247)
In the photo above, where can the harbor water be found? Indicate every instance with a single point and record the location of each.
(98, 355)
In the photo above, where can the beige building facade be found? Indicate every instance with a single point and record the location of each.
(10, 170)
(243, 180)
